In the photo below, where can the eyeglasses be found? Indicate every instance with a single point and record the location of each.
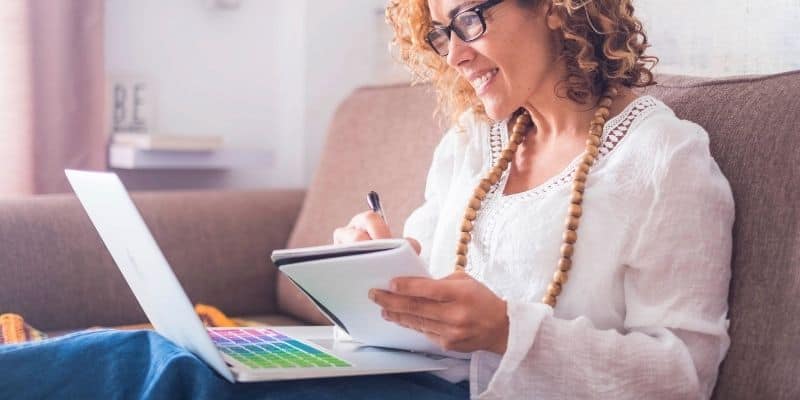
(468, 25)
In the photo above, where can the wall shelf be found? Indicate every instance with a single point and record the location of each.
(126, 157)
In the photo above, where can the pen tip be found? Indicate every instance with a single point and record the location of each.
(373, 200)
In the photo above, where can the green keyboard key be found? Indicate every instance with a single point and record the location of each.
(265, 364)
(340, 363)
(321, 363)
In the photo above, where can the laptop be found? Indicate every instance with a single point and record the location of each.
(250, 354)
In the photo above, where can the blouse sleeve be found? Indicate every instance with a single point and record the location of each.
(421, 224)
(675, 291)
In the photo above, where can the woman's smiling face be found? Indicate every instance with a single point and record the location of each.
(514, 59)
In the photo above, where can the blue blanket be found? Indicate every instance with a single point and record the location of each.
(144, 365)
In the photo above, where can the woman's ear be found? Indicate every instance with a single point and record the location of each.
(553, 18)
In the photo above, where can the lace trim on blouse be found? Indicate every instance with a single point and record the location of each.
(614, 131)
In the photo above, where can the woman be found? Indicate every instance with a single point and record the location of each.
(547, 126)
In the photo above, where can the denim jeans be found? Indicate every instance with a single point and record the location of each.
(142, 364)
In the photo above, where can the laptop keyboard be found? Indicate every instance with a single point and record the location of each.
(266, 348)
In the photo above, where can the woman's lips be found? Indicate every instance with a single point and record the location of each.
(482, 82)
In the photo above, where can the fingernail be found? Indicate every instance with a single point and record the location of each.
(393, 286)
(385, 315)
(371, 294)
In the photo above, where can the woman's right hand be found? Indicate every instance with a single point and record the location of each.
(367, 225)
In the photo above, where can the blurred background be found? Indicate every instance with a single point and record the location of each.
(237, 94)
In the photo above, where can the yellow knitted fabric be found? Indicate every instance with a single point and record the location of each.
(13, 329)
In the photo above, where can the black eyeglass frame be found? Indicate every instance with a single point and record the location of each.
(449, 29)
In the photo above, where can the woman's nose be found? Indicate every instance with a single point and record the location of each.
(459, 51)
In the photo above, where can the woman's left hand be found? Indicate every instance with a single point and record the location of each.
(457, 312)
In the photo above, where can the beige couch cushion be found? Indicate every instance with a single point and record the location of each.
(58, 275)
(382, 139)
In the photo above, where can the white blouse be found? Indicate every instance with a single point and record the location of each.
(643, 314)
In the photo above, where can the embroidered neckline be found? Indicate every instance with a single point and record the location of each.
(614, 131)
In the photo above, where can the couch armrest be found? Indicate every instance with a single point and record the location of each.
(57, 273)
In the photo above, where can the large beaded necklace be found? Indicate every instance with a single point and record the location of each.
(521, 126)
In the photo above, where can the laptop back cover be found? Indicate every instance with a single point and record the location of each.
(143, 265)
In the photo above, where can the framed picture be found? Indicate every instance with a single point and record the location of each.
(130, 104)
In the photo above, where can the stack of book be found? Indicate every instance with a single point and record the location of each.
(149, 141)
(157, 151)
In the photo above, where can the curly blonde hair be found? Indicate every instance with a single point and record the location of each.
(603, 44)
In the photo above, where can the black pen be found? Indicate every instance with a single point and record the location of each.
(374, 203)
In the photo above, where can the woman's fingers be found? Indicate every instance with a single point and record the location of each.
(395, 303)
(364, 226)
(434, 289)
(367, 225)
(414, 244)
(415, 322)
(445, 335)
(349, 235)
(371, 222)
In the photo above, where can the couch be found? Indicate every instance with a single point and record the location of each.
(57, 274)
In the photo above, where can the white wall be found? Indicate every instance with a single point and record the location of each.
(723, 37)
(270, 74)
(267, 75)
(347, 48)
(239, 73)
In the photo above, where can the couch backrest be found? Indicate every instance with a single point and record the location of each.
(754, 124)
(56, 272)
(382, 139)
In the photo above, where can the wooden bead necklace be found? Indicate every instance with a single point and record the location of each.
(521, 126)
